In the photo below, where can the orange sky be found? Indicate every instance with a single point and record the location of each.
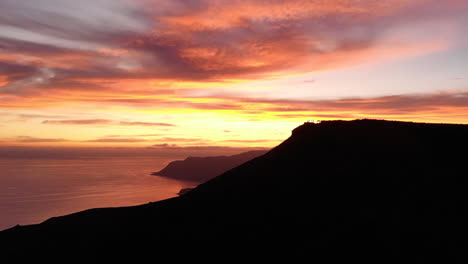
(223, 72)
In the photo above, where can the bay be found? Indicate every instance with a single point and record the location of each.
(33, 190)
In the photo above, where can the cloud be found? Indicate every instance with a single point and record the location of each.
(27, 139)
(215, 106)
(449, 105)
(141, 135)
(164, 145)
(27, 116)
(41, 77)
(252, 140)
(31, 116)
(78, 122)
(133, 53)
(201, 39)
(40, 33)
(14, 70)
(70, 24)
(287, 108)
(103, 122)
(399, 103)
(250, 38)
(116, 140)
(125, 123)
(315, 115)
(29, 79)
(178, 139)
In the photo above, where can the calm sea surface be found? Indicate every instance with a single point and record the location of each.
(33, 190)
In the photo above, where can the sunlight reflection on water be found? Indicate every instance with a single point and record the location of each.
(33, 190)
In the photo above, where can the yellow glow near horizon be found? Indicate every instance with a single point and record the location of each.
(230, 73)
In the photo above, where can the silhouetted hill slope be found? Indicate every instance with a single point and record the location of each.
(201, 169)
(364, 190)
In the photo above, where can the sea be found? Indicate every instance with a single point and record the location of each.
(34, 190)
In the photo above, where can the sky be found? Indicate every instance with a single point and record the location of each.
(191, 73)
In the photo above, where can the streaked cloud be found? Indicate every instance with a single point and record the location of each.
(392, 104)
(126, 123)
(70, 24)
(27, 116)
(179, 139)
(32, 116)
(27, 139)
(104, 122)
(252, 140)
(449, 106)
(141, 135)
(78, 122)
(116, 140)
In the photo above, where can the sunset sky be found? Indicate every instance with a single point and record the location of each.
(223, 72)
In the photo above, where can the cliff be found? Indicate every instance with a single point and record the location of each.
(200, 169)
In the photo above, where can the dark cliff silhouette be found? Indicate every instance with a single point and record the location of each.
(200, 169)
(364, 190)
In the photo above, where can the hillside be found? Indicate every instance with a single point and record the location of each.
(200, 169)
(366, 190)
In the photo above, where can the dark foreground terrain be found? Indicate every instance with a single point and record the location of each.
(363, 190)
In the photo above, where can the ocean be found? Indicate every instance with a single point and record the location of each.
(33, 190)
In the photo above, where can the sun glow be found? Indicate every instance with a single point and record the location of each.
(227, 73)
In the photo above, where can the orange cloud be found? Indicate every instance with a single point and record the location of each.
(77, 122)
(447, 107)
(221, 15)
(104, 122)
(210, 40)
(116, 140)
(27, 139)
(125, 123)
